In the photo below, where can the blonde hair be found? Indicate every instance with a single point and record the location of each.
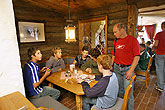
(105, 61)
(54, 50)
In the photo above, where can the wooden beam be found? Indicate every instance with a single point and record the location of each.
(132, 19)
(48, 5)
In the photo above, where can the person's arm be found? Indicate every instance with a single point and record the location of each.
(62, 64)
(155, 45)
(74, 62)
(60, 67)
(94, 68)
(86, 65)
(97, 90)
(49, 63)
(134, 63)
(42, 78)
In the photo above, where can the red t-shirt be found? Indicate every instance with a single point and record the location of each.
(126, 49)
(161, 45)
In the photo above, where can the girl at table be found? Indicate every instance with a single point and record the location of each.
(104, 93)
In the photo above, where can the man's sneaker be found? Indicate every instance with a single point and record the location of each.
(159, 89)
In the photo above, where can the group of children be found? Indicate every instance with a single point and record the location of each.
(103, 94)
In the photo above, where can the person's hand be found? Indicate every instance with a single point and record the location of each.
(79, 80)
(44, 69)
(60, 69)
(90, 77)
(89, 70)
(129, 74)
(47, 73)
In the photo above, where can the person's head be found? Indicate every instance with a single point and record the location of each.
(98, 47)
(85, 51)
(142, 47)
(102, 43)
(119, 30)
(148, 43)
(56, 52)
(94, 53)
(163, 25)
(104, 62)
(34, 54)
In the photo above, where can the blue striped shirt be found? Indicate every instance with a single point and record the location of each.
(31, 75)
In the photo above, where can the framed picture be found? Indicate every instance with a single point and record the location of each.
(31, 32)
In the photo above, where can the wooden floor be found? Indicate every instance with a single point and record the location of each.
(145, 99)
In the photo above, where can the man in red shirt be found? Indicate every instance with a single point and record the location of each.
(159, 46)
(125, 57)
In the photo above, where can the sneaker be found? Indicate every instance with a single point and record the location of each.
(159, 89)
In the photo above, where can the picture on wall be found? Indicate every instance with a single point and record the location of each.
(31, 32)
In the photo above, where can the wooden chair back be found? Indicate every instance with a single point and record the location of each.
(132, 79)
(68, 60)
(127, 93)
(126, 97)
(145, 73)
(149, 64)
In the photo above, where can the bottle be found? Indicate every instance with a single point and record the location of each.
(75, 71)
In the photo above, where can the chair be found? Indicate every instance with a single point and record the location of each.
(132, 79)
(121, 104)
(68, 60)
(145, 73)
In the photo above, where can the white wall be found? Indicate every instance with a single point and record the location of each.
(10, 67)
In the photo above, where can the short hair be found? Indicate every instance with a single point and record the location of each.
(85, 48)
(149, 42)
(94, 52)
(31, 51)
(121, 26)
(163, 25)
(54, 50)
(98, 46)
(143, 45)
(105, 61)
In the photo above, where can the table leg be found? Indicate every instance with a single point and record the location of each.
(79, 102)
(50, 85)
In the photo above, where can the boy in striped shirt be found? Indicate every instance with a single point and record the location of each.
(32, 79)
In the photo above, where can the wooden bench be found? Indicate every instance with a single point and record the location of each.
(48, 102)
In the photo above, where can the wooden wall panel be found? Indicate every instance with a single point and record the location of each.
(54, 30)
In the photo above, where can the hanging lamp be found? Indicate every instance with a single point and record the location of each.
(70, 28)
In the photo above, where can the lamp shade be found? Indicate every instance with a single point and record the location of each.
(70, 34)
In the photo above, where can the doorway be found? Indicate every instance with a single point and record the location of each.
(93, 33)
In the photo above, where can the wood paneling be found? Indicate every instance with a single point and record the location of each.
(55, 19)
(75, 5)
(54, 30)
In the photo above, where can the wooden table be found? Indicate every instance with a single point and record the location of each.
(73, 87)
(15, 101)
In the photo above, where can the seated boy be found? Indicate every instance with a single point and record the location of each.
(81, 59)
(55, 62)
(104, 93)
(90, 66)
(32, 78)
(144, 59)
